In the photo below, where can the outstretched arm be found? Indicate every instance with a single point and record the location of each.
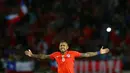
(39, 56)
(91, 54)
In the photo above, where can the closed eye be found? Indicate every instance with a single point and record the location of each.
(62, 45)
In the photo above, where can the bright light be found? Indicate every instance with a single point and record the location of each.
(108, 29)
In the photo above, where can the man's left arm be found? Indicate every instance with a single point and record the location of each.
(91, 54)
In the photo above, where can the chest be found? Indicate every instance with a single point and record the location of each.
(64, 58)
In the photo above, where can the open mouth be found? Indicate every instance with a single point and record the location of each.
(62, 49)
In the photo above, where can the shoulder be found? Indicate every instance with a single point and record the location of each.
(56, 53)
(73, 52)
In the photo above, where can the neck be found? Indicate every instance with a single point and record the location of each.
(63, 53)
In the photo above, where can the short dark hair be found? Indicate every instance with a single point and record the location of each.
(64, 41)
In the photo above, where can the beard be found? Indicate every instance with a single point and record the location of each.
(63, 50)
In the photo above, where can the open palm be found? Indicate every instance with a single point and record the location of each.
(104, 51)
(28, 53)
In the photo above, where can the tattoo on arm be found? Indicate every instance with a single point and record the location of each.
(89, 54)
(40, 56)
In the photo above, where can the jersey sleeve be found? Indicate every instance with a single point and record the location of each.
(52, 56)
(76, 53)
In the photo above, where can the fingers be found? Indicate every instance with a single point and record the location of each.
(29, 50)
(102, 47)
(26, 52)
(106, 50)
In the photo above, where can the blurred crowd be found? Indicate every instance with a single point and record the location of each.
(82, 23)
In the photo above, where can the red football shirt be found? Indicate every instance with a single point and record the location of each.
(65, 62)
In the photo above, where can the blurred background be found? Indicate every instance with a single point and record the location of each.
(39, 25)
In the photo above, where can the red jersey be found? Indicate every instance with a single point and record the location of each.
(65, 62)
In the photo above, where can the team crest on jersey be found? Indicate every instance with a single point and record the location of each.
(68, 55)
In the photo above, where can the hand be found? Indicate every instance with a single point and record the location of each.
(104, 51)
(28, 53)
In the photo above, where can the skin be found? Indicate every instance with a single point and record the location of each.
(63, 47)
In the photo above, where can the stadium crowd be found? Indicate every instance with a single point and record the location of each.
(82, 23)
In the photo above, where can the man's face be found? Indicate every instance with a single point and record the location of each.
(63, 47)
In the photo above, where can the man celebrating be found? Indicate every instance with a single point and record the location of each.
(65, 59)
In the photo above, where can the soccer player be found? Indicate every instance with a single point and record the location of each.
(65, 59)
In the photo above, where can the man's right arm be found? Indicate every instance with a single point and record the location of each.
(38, 56)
